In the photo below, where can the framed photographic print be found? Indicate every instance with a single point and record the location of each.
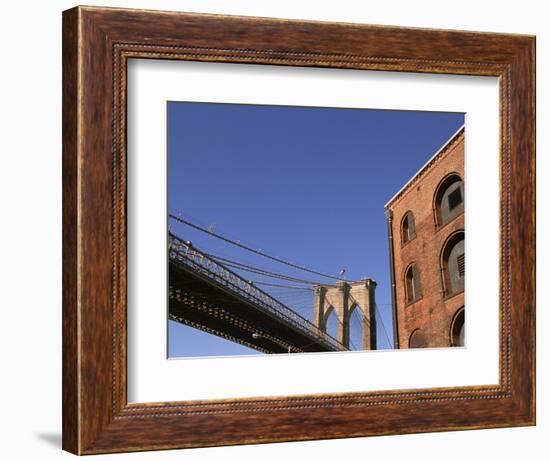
(283, 230)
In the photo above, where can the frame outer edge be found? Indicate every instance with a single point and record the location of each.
(524, 211)
(70, 273)
(521, 249)
(533, 56)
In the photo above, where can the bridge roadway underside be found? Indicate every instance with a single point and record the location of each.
(197, 302)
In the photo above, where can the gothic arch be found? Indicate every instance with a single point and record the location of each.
(448, 201)
(326, 315)
(329, 326)
(340, 300)
(452, 264)
(412, 283)
(356, 326)
(417, 339)
(408, 227)
(456, 329)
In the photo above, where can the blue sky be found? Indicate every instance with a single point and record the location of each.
(305, 184)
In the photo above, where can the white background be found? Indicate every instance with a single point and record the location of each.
(30, 243)
(153, 378)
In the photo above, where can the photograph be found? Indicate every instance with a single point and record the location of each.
(296, 229)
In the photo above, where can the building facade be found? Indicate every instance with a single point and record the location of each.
(427, 260)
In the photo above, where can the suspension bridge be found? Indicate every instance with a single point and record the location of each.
(209, 292)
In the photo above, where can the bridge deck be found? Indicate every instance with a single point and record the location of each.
(206, 295)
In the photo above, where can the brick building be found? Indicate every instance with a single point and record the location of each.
(426, 240)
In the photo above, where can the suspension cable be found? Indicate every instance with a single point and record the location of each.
(289, 287)
(383, 326)
(252, 250)
(246, 267)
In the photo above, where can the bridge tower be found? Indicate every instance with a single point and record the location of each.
(342, 298)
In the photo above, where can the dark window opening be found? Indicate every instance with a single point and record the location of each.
(412, 284)
(460, 261)
(457, 329)
(453, 265)
(455, 198)
(449, 200)
(408, 231)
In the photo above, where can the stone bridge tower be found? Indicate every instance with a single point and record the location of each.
(342, 299)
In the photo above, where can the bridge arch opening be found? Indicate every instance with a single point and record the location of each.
(356, 328)
(332, 323)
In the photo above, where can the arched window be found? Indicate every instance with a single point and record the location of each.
(413, 288)
(449, 199)
(452, 264)
(408, 230)
(417, 340)
(457, 329)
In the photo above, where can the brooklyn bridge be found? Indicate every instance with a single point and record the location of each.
(213, 293)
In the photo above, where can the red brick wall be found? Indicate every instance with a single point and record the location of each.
(433, 313)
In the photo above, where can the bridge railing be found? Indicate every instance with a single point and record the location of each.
(185, 253)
